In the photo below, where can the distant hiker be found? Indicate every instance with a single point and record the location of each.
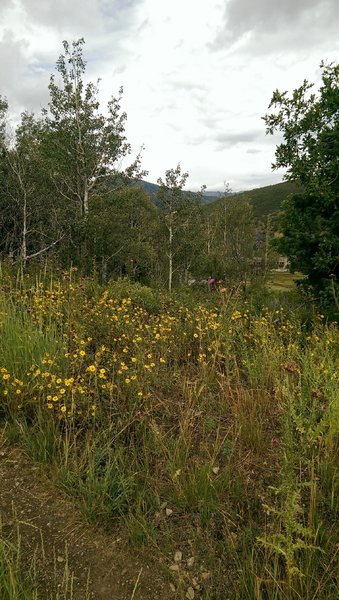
(211, 283)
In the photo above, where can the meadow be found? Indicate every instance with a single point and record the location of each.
(204, 425)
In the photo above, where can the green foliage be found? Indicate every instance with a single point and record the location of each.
(179, 239)
(228, 239)
(139, 294)
(55, 165)
(119, 234)
(81, 146)
(309, 123)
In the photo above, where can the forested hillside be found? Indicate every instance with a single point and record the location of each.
(65, 199)
(265, 201)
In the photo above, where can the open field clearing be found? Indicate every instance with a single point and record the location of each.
(280, 281)
(200, 432)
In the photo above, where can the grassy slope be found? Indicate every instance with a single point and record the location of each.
(265, 200)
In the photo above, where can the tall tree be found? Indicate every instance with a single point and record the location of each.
(82, 145)
(309, 123)
(120, 233)
(172, 203)
(27, 210)
(228, 237)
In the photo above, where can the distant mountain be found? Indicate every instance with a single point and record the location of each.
(265, 200)
(152, 189)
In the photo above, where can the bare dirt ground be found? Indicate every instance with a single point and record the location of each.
(53, 537)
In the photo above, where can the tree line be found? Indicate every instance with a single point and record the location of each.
(64, 194)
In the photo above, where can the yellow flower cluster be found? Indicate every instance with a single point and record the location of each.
(114, 353)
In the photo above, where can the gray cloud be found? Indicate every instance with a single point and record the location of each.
(231, 139)
(264, 26)
(25, 72)
(179, 85)
(5, 4)
(253, 151)
(82, 17)
(228, 139)
(253, 180)
(25, 85)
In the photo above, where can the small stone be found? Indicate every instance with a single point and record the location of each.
(60, 559)
(174, 568)
(216, 470)
(190, 561)
(169, 512)
(172, 587)
(190, 593)
(178, 556)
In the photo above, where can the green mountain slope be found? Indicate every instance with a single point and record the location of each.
(265, 200)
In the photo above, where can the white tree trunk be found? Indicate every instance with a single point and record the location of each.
(85, 202)
(24, 231)
(170, 259)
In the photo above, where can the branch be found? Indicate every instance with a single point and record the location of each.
(43, 249)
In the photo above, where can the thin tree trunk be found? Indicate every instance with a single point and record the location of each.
(170, 260)
(267, 244)
(85, 202)
(24, 231)
(104, 269)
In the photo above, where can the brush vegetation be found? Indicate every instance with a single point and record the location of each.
(205, 422)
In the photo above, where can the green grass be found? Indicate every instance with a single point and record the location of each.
(225, 446)
(19, 578)
(282, 282)
(14, 584)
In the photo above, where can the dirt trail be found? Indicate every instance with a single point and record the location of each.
(51, 530)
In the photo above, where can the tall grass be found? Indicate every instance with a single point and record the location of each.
(14, 584)
(210, 425)
(23, 341)
(19, 574)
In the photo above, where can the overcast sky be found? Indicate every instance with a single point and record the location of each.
(198, 75)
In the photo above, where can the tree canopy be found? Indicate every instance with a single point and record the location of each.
(309, 123)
